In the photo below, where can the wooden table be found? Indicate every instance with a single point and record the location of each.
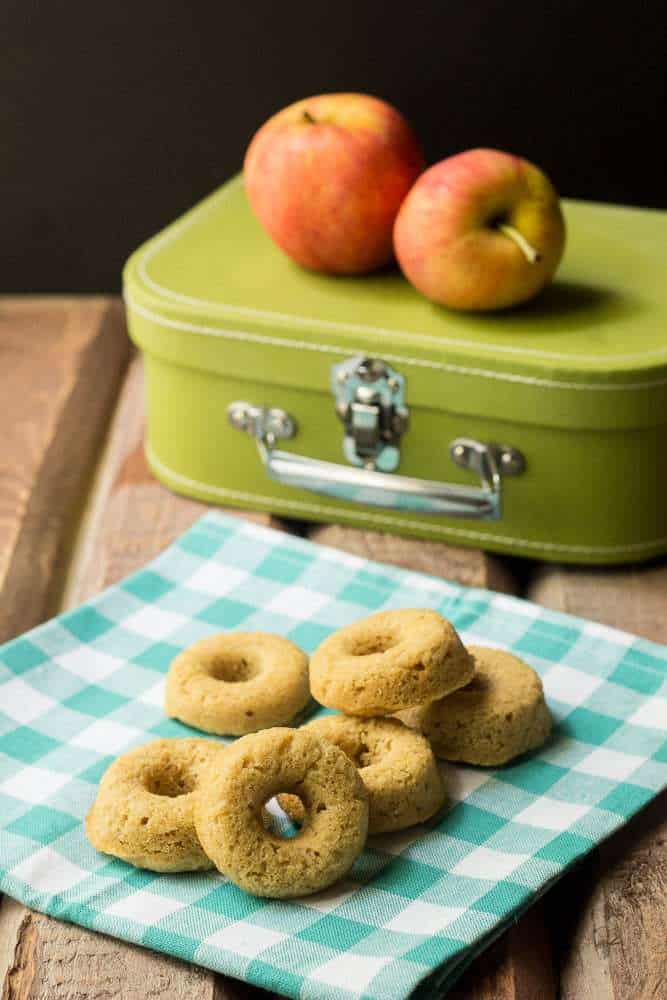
(79, 509)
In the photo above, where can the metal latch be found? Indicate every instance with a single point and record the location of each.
(370, 401)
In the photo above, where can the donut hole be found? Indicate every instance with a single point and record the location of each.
(370, 643)
(170, 782)
(285, 811)
(361, 756)
(233, 669)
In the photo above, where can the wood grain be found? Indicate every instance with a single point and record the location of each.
(52, 960)
(611, 912)
(518, 966)
(450, 562)
(633, 598)
(128, 521)
(60, 365)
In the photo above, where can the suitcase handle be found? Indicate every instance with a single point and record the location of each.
(381, 489)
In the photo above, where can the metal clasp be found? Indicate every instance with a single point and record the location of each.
(370, 401)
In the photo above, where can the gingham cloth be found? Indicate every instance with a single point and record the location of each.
(87, 686)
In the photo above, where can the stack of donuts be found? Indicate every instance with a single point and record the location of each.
(406, 690)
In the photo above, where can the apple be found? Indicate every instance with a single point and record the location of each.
(326, 177)
(480, 230)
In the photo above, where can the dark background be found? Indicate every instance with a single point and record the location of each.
(117, 116)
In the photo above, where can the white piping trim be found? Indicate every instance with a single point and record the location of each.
(393, 522)
(154, 246)
(303, 345)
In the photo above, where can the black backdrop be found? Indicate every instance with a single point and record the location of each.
(115, 116)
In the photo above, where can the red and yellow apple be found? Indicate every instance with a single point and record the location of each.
(326, 177)
(480, 230)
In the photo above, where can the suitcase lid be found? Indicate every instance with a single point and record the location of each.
(212, 291)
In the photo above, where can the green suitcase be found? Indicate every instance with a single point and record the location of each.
(539, 431)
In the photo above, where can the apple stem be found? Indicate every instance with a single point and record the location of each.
(307, 117)
(530, 253)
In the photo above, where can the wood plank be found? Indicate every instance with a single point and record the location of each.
(130, 519)
(61, 361)
(518, 966)
(633, 599)
(611, 911)
(451, 562)
(52, 960)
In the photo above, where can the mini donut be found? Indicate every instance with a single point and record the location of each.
(389, 661)
(238, 682)
(396, 765)
(143, 812)
(230, 821)
(499, 715)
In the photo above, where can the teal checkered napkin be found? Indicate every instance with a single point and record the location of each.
(417, 905)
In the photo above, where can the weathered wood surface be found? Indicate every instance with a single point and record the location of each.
(631, 598)
(50, 960)
(60, 365)
(519, 965)
(611, 913)
(467, 566)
